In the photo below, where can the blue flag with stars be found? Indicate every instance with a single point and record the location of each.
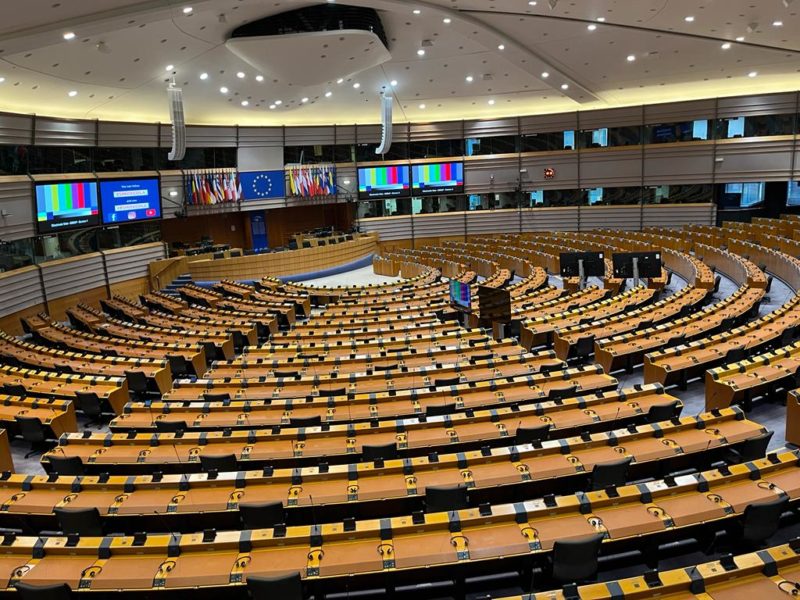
(262, 185)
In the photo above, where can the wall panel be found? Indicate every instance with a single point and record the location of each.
(16, 202)
(678, 163)
(565, 165)
(550, 219)
(125, 264)
(63, 132)
(20, 289)
(209, 137)
(749, 106)
(16, 129)
(123, 135)
(490, 128)
(70, 275)
(677, 215)
(754, 160)
(488, 175)
(448, 130)
(618, 217)
(493, 221)
(611, 168)
(441, 224)
(389, 228)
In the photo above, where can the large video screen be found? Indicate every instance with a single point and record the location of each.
(377, 183)
(460, 295)
(65, 206)
(128, 200)
(438, 178)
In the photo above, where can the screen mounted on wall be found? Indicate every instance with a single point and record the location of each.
(438, 178)
(66, 205)
(377, 183)
(129, 200)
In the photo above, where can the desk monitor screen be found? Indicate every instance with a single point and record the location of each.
(438, 178)
(129, 200)
(378, 183)
(460, 295)
(649, 264)
(65, 206)
(593, 264)
(494, 304)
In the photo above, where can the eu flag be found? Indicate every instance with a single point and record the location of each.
(261, 185)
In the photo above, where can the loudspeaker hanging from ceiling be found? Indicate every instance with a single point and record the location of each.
(387, 102)
(178, 123)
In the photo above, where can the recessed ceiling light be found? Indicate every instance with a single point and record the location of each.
(601, 19)
(170, 67)
(393, 82)
(245, 103)
(501, 47)
(753, 74)
(203, 76)
(347, 182)
(69, 36)
(173, 193)
(491, 102)
(72, 93)
(689, 19)
(223, 90)
(532, 3)
(240, 75)
(564, 86)
(447, 20)
(328, 94)
(272, 107)
(777, 23)
(740, 38)
(591, 27)
(278, 102)
(303, 100)
(421, 52)
(416, 11)
(356, 85)
(259, 78)
(726, 46)
(422, 106)
(631, 57)
(545, 75)
(2, 79)
(187, 10)
(470, 79)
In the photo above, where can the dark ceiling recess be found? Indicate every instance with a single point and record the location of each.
(322, 17)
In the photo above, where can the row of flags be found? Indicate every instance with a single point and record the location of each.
(309, 181)
(212, 187)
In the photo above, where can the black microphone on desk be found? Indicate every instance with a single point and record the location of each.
(168, 529)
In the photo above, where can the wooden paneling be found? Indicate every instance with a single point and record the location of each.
(283, 223)
(225, 228)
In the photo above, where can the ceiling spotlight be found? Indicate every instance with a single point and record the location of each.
(245, 103)
(631, 57)
(753, 74)
(240, 75)
(187, 10)
(416, 11)
(259, 78)
(223, 90)
(278, 102)
(421, 52)
(203, 76)
(447, 20)
(726, 46)
(689, 19)
(545, 75)
(740, 38)
(173, 193)
(72, 93)
(777, 23)
(422, 107)
(601, 19)
(170, 67)
(532, 3)
(2, 79)
(591, 27)
(346, 182)
(356, 85)
(328, 94)
(491, 102)
(272, 107)
(303, 100)
(564, 86)
(470, 79)
(393, 82)
(69, 36)
(501, 47)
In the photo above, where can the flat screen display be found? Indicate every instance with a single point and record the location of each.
(439, 178)
(65, 206)
(128, 200)
(460, 295)
(377, 183)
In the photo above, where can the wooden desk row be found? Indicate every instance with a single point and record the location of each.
(16, 352)
(629, 349)
(351, 555)
(243, 291)
(284, 312)
(58, 415)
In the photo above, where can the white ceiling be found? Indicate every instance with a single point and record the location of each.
(117, 61)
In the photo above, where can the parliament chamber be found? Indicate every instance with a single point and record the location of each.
(399, 299)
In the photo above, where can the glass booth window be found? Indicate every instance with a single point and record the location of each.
(793, 194)
(756, 126)
(16, 254)
(503, 144)
(687, 131)
(742, 195)
(679, 194)
(595, 196)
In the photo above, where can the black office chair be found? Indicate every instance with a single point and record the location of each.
(446, 498)
(314, 421)
(751, 449)
(284, 587)
(137, 384)
(574, 561)
(333, 392)
(717, 282)
(56, 591)
(34, 432)
(210, 397)
(91, 406)
(66, 466)
(529, 435)
(438, 410)
(15, 389)
(735, 355)
(285, 374)
(221, 463)
(170, 426)
(218, 255)
(762, 519)
(261, 515)
(446, 381)
(179, 366)
(663, 412)
(584, 348)
(561, 393)
(370, 453)
(306, 244)
(611, 474)
(83, 521)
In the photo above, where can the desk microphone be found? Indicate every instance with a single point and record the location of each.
(168, 529)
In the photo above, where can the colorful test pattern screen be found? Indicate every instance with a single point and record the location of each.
(375, 183)
(460, 294)
(64, 206)
(128, 200)
(441, 178)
